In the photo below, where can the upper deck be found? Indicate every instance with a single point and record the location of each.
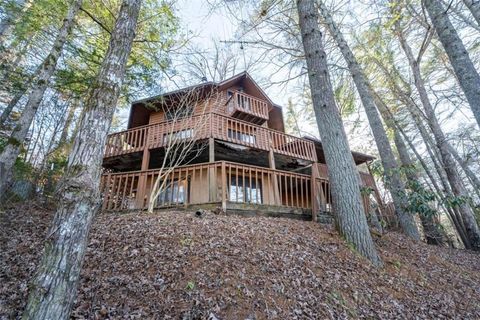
(211, 125)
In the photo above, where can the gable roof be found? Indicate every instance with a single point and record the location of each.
(243, 76)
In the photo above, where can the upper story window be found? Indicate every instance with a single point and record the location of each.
(244, 137)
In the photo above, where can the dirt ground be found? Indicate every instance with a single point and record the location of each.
(173, 265)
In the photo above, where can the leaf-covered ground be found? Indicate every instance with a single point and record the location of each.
(173, 265)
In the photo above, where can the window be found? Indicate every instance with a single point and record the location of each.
(176, 136)
(174, 193)
(248, 193)
(237, 135)
(178, 113)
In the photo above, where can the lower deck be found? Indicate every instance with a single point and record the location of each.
(233, 186)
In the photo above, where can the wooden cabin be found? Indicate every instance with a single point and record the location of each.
(243, 159)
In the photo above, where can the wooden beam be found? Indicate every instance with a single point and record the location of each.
(276, 192)
(224, 187)
(145, 159)
(315, 191)
(212, 173)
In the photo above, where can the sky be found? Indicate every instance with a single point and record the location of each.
(207, 26)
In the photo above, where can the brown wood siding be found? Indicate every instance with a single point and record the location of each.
(156, 117)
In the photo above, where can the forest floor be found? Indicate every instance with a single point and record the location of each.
(173, 265)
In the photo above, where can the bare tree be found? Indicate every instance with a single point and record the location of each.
(433, 234)
(216, 64)
(467, 76)
(189, 118)
(454, 179)
(474, 7)
(53, 289)
(390, 165)
(344, 178)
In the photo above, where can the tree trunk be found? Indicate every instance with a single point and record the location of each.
(344, 178)
(54, 287)
(390, 165)
(453, 214)
(467, 75)
(470, 174)
(68, 122)
(46, 70)
(474, 7)
(9, 108)
(443, 146)
(412, 108)
(433, 234)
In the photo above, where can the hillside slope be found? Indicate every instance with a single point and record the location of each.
(174, 265)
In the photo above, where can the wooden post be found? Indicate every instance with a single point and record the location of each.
(377, 194)
(315, 191)
(276, 192)
(212, 183)
(224, 187)
(145, 159)
(142, 180)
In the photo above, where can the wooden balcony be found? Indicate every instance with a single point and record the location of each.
(245, 107)
(210, 125)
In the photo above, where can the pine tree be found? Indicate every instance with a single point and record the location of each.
(55, 284)
(344, 178)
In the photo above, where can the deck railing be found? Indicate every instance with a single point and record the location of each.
(247, 104)
(186, 185)
(217, 182)
(127, 141)
(210, 125)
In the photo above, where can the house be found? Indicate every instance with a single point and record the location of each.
(236, 154)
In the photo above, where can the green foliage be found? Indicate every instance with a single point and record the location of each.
(376, 168)
(190, 286)
(23, 170)
(419, 199)
(365, 191)
(397, 264)
(345, 97)
(82, 55)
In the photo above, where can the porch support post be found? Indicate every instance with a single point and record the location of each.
(276, 192)
(142, 182)
(315, 191)
(141, 188)
(212, 181)
(145, 159)
(224, 187)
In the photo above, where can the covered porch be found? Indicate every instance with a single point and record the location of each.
(227, 185)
